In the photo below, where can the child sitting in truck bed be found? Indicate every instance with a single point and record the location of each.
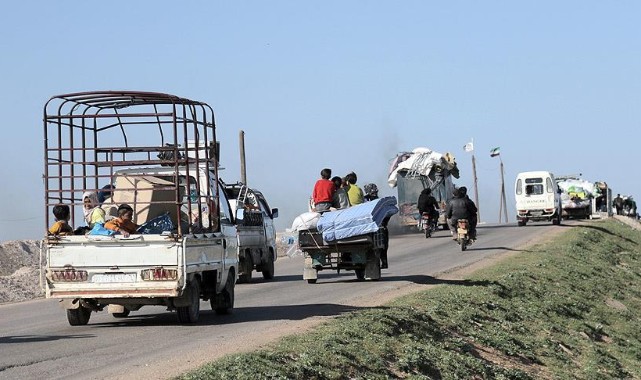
(61, 226)
(123, 223)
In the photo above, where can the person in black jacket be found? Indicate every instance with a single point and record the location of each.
(427, 203)
(462, 207)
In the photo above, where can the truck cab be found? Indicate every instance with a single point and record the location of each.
(537, 198)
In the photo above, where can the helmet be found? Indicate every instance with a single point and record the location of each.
(370, 189)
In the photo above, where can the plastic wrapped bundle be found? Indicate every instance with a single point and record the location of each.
(157, 225)
(357, 220)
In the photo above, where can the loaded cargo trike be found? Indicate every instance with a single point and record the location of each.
(355, 239)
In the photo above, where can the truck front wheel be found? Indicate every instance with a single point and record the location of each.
(79, 316)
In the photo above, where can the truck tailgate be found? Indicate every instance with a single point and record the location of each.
(143, 250)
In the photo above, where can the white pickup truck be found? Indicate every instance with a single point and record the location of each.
(159, 153)
(256, 231)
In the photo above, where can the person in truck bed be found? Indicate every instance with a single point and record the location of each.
(123, 223)
(61, 226)
(91, 209)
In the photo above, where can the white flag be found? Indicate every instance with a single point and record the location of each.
(468, 147)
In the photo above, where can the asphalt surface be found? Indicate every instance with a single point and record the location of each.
(37, 342)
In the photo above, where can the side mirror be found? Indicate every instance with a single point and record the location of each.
(274, 213)
(240, 214)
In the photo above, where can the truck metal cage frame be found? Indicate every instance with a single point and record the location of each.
(90, 136)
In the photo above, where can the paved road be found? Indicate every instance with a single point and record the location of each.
(37, 342)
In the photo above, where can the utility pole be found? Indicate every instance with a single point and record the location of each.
(243, 172)
(503, 208)
(469, 147)
(476, 188)
(503, 202)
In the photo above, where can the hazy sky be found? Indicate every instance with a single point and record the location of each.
(340, 84)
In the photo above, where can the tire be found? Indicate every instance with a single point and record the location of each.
(520, 223)
(79, 316)
(463, 245)
(190, 313)
(268, 267)
(248, 267)
(428, 232)
(445, 227)
(360, 274)
(226, 297)
(311, 281)
(124, 314)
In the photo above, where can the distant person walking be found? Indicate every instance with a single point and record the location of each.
(323, 192)
(618, 204)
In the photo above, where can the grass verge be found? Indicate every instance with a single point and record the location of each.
(567, 309)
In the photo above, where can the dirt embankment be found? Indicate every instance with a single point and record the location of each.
(19, 271)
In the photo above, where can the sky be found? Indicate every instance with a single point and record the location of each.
(340, 84)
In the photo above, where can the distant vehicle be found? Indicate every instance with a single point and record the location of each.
(577, 197)
(411, 172)
(256, 231)
(462, 234)
(427, 224)
(537, 198)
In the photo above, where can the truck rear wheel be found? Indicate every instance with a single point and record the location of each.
(223, 303)
(79, 316)
(268, 267)
(190, 313)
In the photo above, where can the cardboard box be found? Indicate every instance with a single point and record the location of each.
(149, 196)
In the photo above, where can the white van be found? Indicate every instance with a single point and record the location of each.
(537, 198)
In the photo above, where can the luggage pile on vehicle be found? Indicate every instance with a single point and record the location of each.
(577, 193)
(357, 220)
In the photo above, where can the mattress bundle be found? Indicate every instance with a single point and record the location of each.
(356, 220)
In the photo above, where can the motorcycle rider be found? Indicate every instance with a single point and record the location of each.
(371, 192)
(427, 203)
(462, 207)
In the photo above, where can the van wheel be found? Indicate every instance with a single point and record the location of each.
(190, 313)
(268, 267)
(223, 303)
(79, 316)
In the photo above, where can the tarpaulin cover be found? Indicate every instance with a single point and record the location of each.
(576, 193)
(422, 161)
(356, 220)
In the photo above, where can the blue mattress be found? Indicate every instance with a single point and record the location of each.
(356, 220)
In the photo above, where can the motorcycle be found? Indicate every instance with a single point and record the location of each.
(427, 224)
(462, 234)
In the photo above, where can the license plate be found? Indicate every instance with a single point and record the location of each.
(114, 277)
